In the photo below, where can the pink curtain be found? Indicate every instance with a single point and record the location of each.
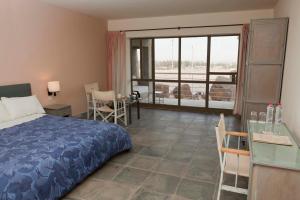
(116, 61)
(237, 110)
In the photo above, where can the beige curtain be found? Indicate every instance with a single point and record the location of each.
(237, 110)
(116, 61)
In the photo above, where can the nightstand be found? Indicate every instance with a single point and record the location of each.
(59, 110)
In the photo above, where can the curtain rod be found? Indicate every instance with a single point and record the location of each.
(180, 27)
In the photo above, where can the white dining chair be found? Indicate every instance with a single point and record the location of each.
(89, 88)
(232, 161)
(106, 105)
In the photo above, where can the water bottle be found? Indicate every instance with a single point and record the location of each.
(270, 111)
(278, 114)
(269, 119)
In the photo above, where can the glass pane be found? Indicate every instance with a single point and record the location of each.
(193, 94)
(166, 93)
(221, 96)
(224, 53)
(166, 58)
(145, 89)
(141, 70)
(146, 69)
(222, 78)
(136, 59)
(193, 58)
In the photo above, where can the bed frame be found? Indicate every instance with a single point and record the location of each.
(17, 90)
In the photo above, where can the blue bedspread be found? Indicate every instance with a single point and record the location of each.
(45, 158)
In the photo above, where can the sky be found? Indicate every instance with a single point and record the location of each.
(223, 49)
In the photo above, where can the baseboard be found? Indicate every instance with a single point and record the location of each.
(81, 115)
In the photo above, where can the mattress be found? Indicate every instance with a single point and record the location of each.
(44, 157)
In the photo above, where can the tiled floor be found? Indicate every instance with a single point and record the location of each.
(174, 158)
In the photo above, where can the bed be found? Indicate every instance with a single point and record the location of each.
(44, 157)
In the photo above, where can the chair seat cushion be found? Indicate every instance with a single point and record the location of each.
(105, 109)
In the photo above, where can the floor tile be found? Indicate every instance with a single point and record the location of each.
(144, 162)
(190, 138)
(174, 130)
(123, 158)
(107, 172)
(178, 155)
(195, 190)
(101, 190)
(132, 176)
(171, 167)
(184, 146)
(134, 131)
(178, 124)
(176, 197)
(204, 169)
(162, 183)
(154, 151)
(143, 194)
(136, 148)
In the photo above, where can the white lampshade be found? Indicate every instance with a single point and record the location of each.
(53, 86)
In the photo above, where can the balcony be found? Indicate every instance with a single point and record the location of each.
(222, 89)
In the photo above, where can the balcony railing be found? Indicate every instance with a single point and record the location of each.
(198, 76)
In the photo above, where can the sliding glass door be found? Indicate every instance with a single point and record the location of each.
(193, 71)
(223, 71)
(197, 72)
(166, 70)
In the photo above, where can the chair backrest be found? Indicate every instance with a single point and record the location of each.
(104, 96)
(89, 88)
(220, 135)
(220, 132)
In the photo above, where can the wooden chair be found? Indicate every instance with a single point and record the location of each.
(232, 161)
(106, 105)
(89, 88)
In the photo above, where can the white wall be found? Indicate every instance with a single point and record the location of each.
(291, 79)
(189, 20)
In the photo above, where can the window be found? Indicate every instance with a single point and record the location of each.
(194, 58)
(186, 71)
(223, 71)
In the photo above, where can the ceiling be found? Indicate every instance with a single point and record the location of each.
(117, 9)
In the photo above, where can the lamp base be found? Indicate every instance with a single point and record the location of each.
(51, 93)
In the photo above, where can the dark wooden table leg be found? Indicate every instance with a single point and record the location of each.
(129, 113)
(138, 109)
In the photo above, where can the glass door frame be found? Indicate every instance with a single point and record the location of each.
(207, 82)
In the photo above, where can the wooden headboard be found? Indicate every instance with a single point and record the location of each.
(18, 90)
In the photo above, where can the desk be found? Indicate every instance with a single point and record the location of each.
(274, 169)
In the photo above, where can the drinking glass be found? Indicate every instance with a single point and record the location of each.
(253, 116)
(262, 117)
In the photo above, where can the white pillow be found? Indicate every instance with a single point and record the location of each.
(4, 115)
(22, 106)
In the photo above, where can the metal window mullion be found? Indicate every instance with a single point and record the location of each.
(153, 71)
(207, 71)
(179, 72)
(141, 58)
